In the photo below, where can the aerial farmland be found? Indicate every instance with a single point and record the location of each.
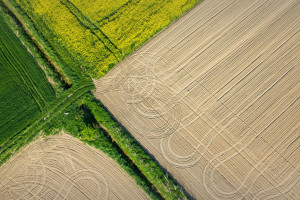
(215, 99)
(147, 99)
(58, 168)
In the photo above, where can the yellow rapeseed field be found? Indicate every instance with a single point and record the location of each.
(123, 25)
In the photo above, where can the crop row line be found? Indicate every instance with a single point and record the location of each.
(22, 19)
(86, 22)
(117, 10)
(34, 92)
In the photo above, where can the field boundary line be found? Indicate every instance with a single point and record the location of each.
(160, 178)
(35, 38)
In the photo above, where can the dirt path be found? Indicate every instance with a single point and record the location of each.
(215, 98)
(61, 167)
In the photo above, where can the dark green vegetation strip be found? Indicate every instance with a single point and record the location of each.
(166, 186)
(25, 92)
(79, 121)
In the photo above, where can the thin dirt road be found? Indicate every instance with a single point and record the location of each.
(215, 99)
(62, 167)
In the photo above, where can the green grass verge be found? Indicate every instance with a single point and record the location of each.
(161, 180)
(53, 77)
(78, 121)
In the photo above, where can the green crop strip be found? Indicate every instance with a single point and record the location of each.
(25, 92)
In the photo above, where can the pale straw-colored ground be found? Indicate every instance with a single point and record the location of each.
(215, 98)
(62, 167)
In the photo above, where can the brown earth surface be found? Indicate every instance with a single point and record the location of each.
(62, 167)
(215, 99)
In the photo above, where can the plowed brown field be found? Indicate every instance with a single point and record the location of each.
(215, 98)
(61, 167)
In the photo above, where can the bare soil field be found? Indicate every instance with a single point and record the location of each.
(62, 167)
(215, 99)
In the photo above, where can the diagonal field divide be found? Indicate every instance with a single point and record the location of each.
(215, 99)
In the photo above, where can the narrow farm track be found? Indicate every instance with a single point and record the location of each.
(58, 168)
(34, 128)
(215, 99)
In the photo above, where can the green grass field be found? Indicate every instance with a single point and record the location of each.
(24, 90)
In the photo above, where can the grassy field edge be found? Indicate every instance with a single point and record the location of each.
(39, 41)
(160, 179)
